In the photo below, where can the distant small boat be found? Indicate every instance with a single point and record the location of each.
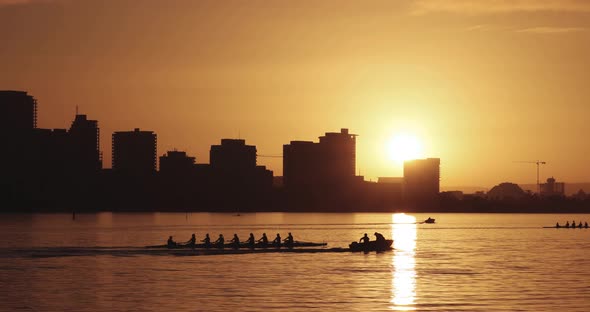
(371, 246)
(429, 220)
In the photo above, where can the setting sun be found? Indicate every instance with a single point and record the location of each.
(403, 147)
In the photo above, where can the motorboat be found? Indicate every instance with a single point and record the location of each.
(376, 245)
(429, 220)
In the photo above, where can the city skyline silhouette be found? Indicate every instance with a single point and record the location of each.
(52, 169)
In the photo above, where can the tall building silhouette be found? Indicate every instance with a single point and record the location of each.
(300, 163)
(234, 163)
(176, 163)
(339, 151)
(134, 152)
(422, 177)
(84, 136)
(21, 157)
(18, 111)
(332, 160)
(233, 154)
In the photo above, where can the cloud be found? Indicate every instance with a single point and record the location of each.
(23, 2)
(552, 30)
(500, 6)
(548, 30)
(12, 2)
(487, 27)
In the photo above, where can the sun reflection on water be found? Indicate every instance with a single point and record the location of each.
(403, 292)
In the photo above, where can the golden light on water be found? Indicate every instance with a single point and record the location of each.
(404, 263)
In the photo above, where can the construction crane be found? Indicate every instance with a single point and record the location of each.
(538, 163)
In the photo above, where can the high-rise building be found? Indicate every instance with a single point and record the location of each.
(134, 152)
(300, 163)
(18, 111)
(176, 163)
(332, 160)
(233, 165)
(21, 157)
(422, 177)
(233, 155)
(84, 137)
(339, 153)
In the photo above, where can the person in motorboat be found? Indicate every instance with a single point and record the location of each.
(289, 240)
(263, 240)
(379, 237)
(380, 244)
(192, 241)
(251, 241)
(277, 241)
(207, 241)
(220, 241)
(171, 242)
(235, 241)
(365, 239)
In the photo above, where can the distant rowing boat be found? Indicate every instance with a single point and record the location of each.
(565, 227)
(242, 245)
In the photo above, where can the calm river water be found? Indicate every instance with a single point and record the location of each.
(464, 262)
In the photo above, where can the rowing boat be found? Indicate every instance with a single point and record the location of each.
(241, 245)
(371, 246)
(565, 227)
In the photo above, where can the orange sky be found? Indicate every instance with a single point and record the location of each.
(483, 83)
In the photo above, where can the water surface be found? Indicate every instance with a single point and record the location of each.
(464, 262)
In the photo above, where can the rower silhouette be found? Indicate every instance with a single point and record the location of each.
(289, 241)
(171, 242)
(235, 242)
(207, 241)
(192, 241)
(263, 240)
(220, 241)
(277, 241)
(251, 241)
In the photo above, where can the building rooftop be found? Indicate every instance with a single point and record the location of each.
(12, 92)
(136, 130)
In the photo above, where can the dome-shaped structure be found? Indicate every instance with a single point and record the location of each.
(506, 190)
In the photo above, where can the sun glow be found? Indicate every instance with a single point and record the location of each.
(404, 147)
